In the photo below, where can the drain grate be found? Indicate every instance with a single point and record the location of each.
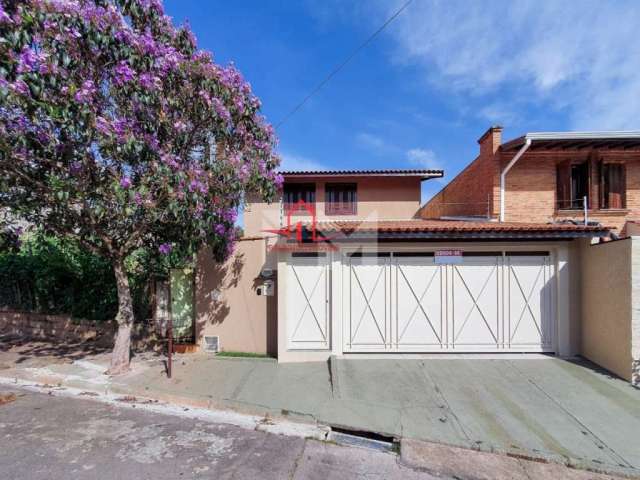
(359, 438)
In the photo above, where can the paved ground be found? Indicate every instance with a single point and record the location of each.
(565, 411)
(53, 438)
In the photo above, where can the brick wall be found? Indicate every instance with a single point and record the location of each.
(530, 190)
(530, 193)
(473, 191)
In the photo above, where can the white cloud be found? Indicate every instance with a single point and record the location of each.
(298, 162)
(422, 158)
(582, 57)
(372, 142)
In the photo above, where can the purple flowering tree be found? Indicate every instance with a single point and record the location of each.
(116, 131)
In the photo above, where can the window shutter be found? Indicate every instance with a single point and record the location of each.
(603, 197)
(340, 199)
(616, 185)
(613, 185)
(563, 188)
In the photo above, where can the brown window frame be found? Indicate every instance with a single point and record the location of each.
(566, 185)
(342, 206)
(608, 180)
(293, 192)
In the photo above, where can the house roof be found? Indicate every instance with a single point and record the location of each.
(451, 229)
(576, 140)
(424, 174)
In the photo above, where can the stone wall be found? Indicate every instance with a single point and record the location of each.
(64, 328)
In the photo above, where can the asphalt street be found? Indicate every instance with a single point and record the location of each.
(49, 437)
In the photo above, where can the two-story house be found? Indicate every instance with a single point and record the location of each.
(548, 177)
(560, 177)
(344, 265)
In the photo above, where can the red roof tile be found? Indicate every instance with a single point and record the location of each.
(446, 226)
(427, 173)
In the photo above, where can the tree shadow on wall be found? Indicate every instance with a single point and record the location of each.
(216, 282)
(211, 306)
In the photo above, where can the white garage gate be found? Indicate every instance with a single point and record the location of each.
(491, 302)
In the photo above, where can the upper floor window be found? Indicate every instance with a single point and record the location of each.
(572, 185)
(612, 185)
(294, 192)
(341, 199)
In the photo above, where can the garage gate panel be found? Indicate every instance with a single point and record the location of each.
(489, 302)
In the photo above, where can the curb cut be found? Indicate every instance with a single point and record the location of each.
(438, 459)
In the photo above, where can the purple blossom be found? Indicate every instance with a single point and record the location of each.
(149, 81)
(121, 128)
(123, 73)
(125, 182)
(279, 180)
(147, 44)
(230, 215)
(86, 92)
(27, 60)
(180, 126)
(4, 16)
(205, 96)
(103, 126)
(170, 160)
(165, 248)
(239, 104)
(75, 167)
(19, 86)
(137, 198)
(220, 229)
(244, 172)
(153, 5)
(169, 61)
(221, 110)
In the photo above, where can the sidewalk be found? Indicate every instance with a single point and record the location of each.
(549, 410)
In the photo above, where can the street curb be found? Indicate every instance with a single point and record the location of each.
(194, 410)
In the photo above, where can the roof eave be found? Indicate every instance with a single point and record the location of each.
(511, 235)
(613, 136)
(422, 175)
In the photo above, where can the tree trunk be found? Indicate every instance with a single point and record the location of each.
(121, 350)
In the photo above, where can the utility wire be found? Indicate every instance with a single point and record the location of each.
(343, 64)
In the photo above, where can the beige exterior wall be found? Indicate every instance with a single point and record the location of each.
(607, 305)
(379, 198)
(227, 303)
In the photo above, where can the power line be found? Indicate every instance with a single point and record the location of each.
(343, 64)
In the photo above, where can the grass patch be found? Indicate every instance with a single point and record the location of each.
(242, 354)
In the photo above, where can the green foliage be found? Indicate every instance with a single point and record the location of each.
(50, 275)
(242, 355)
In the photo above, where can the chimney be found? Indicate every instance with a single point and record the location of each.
(490, 141)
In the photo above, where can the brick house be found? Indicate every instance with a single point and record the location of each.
(547, 177)
(559, 178)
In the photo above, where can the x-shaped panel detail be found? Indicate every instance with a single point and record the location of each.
(527, 300)
(419, 305)
(308, 306)
(475, 306)
(367, 300)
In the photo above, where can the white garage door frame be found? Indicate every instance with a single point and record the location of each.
(512, 276)
(337, 310)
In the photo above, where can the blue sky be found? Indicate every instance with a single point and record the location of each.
(425, 89)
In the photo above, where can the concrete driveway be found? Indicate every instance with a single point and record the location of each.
(543, 407)
(568, 411)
